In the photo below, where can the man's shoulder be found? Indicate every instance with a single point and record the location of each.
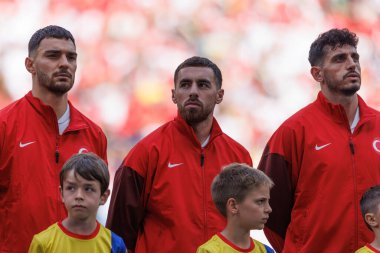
(159, 133)
(12, 108)
(232, 143)
(77, 117)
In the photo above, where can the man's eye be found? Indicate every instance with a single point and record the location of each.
(72, 57)
(183, 85)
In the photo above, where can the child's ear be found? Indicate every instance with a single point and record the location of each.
(104, 197)
(371, 219)
(232, 206)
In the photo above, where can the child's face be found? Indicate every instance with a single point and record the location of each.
(254, 210)
(82, 197)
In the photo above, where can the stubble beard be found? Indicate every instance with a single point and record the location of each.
(345, 90)
(193, 115)
(53, 86)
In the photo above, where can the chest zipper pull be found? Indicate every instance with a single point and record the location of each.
(56, 156)
(202, 159)
(352, 148)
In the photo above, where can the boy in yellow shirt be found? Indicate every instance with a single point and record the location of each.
(241, 194)
(370, 207)
(84, 181)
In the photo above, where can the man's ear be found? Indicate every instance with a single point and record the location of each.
(317, 74)
(29, 65)
(104, 197)
(174, 99)
(371, 219)
(219, 96)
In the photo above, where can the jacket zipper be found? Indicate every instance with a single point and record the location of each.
(352, 149)
(202, 161)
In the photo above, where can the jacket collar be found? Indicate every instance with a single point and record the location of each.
(77, 120)
(339, 114)
(186, 129)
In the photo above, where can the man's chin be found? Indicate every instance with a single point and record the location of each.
(60, 90)
(350, 91)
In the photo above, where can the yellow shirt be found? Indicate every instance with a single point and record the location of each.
(219, 244)
(57, 238)
(367, 249)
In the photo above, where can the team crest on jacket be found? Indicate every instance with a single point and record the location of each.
(376, 145)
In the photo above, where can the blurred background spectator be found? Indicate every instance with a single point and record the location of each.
(129, 49)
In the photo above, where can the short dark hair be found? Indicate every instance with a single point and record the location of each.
(51, 31)
(90, 167)
(235, 181)
(334, 38)
(370, 201)
(197, 61)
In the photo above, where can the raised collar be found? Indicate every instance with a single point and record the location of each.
(77, 120)
(337, 112)
(186, 129)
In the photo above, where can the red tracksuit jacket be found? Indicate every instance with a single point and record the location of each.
(161, 200)
(320, 170)
(31, 156)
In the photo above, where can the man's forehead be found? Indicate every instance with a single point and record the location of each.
(338, 49)
(55, 44)
(196, 72)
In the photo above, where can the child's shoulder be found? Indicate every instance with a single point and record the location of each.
(263, 247)
(48, 233)
(212, 245)
(367, 249)
(218, 243)
(116, 241)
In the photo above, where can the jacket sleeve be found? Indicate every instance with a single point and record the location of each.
(275, 163)
(126, 211)
(103, 147)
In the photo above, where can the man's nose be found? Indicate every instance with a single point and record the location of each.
(63, 61)
(194, 89)
(351, 63)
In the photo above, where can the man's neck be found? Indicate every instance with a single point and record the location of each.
(58, 103)
(202, 130)
(349, 103)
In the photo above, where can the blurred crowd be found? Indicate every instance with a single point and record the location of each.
(129, 49)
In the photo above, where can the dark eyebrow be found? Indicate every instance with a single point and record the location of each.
(185, 80)
(53, 51)
(204, 80)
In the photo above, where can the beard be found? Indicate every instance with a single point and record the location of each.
(194, 115)
(347, 90)
(54, 87)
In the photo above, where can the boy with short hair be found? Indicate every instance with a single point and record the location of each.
(84, 181)
(370, 207)
(241, 194)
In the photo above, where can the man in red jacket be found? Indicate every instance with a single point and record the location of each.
(161, 200)
(38, 133)
(324, 157)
